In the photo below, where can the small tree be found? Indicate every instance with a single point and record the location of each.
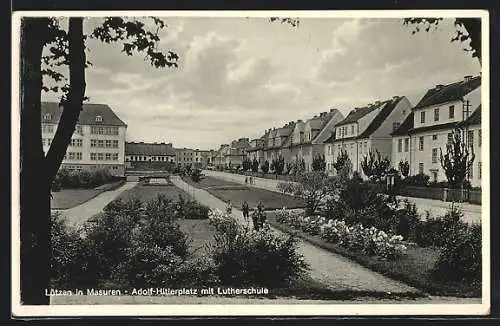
(343, 164)
(265, 166)
(278, 165)
(255, 165)
(319, 163)
(404, 168)
(247, 164)
(375, 166)
(196, 175)
(457, 161)
(314, 187)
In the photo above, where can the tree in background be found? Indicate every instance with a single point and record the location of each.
(457, 161)
(66, 49)
(246, 164)
(375, 166)
(319, 163)
(404, 168)
(265, 166)
(255, 165)
(343, 164)
(278, 165)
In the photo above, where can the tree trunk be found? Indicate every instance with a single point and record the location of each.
(34, 188)
(73, 104)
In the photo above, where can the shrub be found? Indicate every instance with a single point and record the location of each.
(196, 175)
(420, 179)
(195, 211)
(196, 273)
(408, 220)
(435, 231)
(460, 258)
(259, 258)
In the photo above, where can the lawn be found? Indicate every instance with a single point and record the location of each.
(238, 193)
(145, 192)
(413, 268)
(69, 198)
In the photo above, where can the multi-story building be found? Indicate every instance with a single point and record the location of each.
(220, 156)
(149, 152)
(442, 109)
(256, 149)
(237, 152)
(185, 156)
(369, 128)
(98, 141)
(307, 139)
(276, 139)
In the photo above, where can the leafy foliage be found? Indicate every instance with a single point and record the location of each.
(196, 175)
(278, 165)
(246, 164)
(255, 165)
(343, 164)
(457, 161)
(265, 166)
(404, 168)
(319, 163)
(375, 166)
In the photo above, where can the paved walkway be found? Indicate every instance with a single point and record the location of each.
(79, 214)
(472, 213)
(333, 270)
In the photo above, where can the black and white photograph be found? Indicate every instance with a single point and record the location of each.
(216, 163)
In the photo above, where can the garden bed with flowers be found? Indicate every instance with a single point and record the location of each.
(380, 251)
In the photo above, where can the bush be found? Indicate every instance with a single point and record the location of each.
(435, 231)
(83, 179)
(420, 179)
(460, 258)
(259, 258)
(197, 272)
(196, 175)
(195, 211)
(408, 220)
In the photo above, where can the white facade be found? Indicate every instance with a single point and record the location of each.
(92, 147)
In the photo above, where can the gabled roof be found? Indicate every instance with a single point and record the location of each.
(357, 114)
(450, 92)
(87, 115)
(149, 149)
(405, 126)
(331, 139)
(388, 107)
(443, 126)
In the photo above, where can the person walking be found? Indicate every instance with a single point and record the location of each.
(245, 210)
(246, 180)
(229, 208)
(251, 180)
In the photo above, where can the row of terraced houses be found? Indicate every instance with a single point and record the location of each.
(396, 128)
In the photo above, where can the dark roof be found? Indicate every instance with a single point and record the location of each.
(405, 126)
(331, 139)
(153, 149)
(87, 115)
(443, 126)
(356, 114)
(381, 117)
(450, 92)
(474, 118)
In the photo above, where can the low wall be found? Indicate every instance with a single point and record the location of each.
(421, 192)
(444, 194)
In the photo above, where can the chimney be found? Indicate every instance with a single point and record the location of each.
(395, 98)
(439, 86)
(467, 78)
(331, 110)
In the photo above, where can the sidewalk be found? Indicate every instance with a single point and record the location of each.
(472, 213)
(335, 271)
(79, 214)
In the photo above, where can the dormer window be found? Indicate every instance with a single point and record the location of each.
(98, 118)
(47, 116)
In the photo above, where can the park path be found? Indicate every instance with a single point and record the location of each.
(333, 270)
(79, 214)
(472, 213)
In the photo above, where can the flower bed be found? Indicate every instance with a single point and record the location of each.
(370, 241)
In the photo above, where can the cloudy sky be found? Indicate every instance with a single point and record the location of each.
(238, 77)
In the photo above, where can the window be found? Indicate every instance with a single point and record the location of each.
(436, 114)
(395, 125)
(450, 137)
(100, 156)
(422, 117)
(47, 128)
(366, 147)
(421, 168)
(420, 143)
(98, 118)
(434, 137)
(71, 155)
(108, 156)
(329, 149)
(49, 141)
(407, 144)
(404, 113)
(115, 157)
(47, 116)
(451, 112)
(479, 170)
(400, 145)
(79, 129)
(100, 143)
(352, 129)
(93, 143)
(93, 156)
(434, 155)
(79, 142)
(470, 138)
(479, 138)
(434, 176)
(108, 143)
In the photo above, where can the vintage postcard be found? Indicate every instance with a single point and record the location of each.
(258, 163)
